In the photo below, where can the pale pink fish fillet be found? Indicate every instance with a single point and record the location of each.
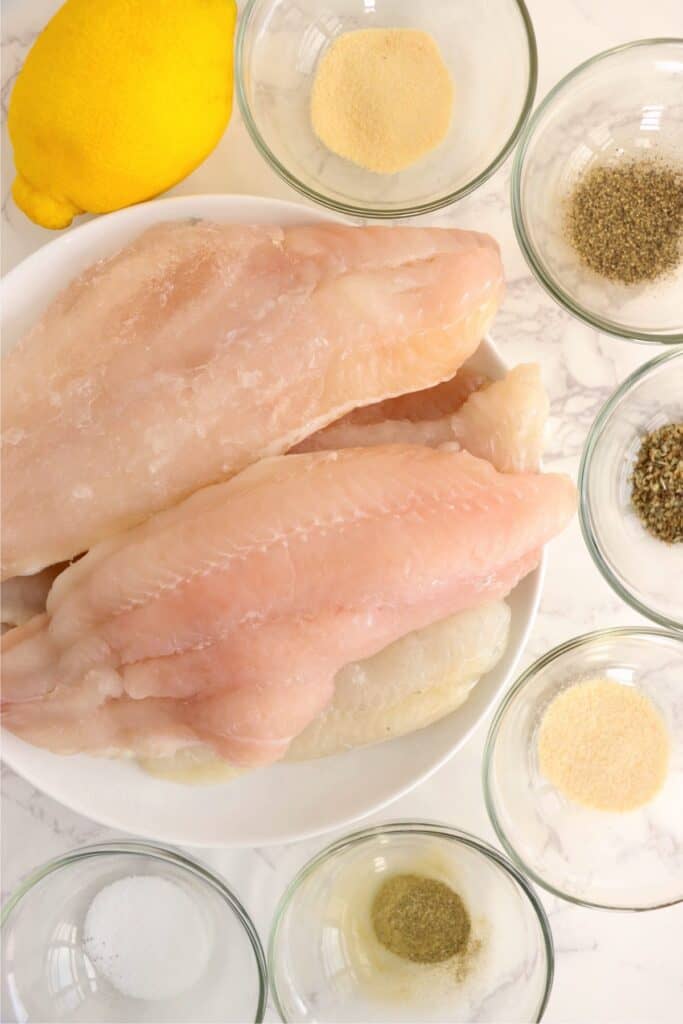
(231, 614)
(505, 422)
(502, 422)
(201, 348)
(427, 404)
(422, 417)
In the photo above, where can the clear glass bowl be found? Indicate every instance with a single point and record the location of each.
(326, 964)
(489, 48)
(626, 101)
(629, 861)
(47, 975)
(644, 571)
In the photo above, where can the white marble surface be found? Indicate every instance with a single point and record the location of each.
(610, 967)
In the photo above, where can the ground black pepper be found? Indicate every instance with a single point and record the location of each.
(625, 220)
(657, 483)
(420, 919)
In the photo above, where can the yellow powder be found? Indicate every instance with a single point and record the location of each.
(604, 745)
(382, 97)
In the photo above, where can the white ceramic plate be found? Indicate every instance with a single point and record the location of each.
(284, 802)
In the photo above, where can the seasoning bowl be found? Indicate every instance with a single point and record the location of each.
(618, 861)
(326, 963)
(69, 952)
(645, 571)
(622, 103)
(489, 49)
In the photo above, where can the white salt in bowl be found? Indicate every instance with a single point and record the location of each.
(625, 861)
(128, 932)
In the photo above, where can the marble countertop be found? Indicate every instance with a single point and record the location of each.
(610, 967)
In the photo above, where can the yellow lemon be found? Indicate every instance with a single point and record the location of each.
(117, 101)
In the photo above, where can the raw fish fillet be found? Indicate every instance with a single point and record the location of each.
(203, 347)
(224, 620)
(429, 404)
(501, 421)
(505, 421)
(410, 684)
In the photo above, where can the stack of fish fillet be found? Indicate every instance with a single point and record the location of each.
(255, 504)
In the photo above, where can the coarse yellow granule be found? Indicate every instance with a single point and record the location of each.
(382, 97)
(604, 745)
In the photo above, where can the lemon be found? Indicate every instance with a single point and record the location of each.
(117, 101)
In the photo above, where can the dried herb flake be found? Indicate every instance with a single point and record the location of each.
(657, 483)
(625, 219)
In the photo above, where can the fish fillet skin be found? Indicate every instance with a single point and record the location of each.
(502, 421)
(202, 347)
(193, 766)
(225, 620)
(410, 684)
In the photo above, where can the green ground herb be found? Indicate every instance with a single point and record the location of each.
(420, 919)
(625, 220)
(657, 483)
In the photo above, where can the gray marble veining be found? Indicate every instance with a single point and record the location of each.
(610, 967)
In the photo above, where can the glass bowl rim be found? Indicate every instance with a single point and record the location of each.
(167, 855)
(575, 643)
(354, 209)
(556, 292)
(423, 828)
(585, 516)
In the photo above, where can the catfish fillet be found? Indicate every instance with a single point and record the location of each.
(202, 348)
(225, 620)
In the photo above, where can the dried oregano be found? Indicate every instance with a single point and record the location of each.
(657, 483)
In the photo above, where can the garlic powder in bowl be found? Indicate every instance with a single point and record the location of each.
(128, 932)
(583, 769)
